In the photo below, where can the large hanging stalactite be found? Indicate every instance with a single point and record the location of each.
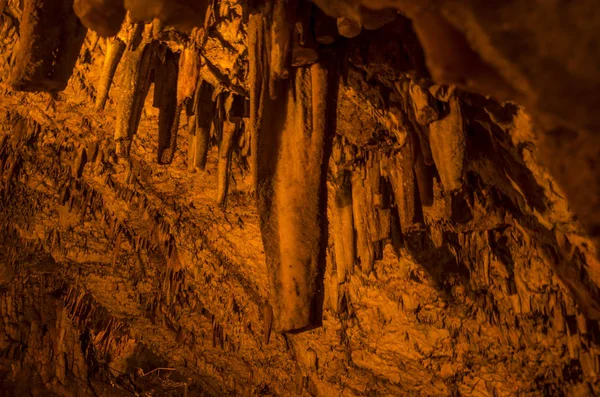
(290, 192)
(293, 123)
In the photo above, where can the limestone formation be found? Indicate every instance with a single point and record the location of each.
(360, 206)
(136, 79)
(201, 122)
(114, 52)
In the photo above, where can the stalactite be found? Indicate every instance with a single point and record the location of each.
(424, 145)
(380, 228)
(371, 219)
(219, 116)
(234, 113)
(103, 16)
(290, 190)
(448, 142)
(424, 106)
(365, 251)
(230, 127)
(423, 173)
(136, 80)
(47, 50)
(282, 25)
(191, 134)
(114, 52)
(204, 111)
(166, 71)
(257, 83)
(402, 178)
(342, 224)
(189, 74)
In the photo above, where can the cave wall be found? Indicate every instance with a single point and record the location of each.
(470, 275)
(541, 55)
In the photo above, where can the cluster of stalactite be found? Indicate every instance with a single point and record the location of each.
(293, 89)
(494, 248)
(283, 127)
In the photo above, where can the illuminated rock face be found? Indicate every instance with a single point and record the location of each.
(274, 198)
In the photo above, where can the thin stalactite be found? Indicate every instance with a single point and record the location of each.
(136, 78)
(189, 73)
(204, 113)
(404, 185)
(224, 163)
(342, 225)
(448, 146)
(166, 72)
(114, 53)
(257, 83)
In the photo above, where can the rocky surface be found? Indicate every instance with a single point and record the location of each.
(542, 55)
(135, 259)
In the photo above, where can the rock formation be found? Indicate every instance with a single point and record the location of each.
(279, 197)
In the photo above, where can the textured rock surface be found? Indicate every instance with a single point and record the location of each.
(544, 55)
(452, 265)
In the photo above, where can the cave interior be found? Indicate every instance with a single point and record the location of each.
(295, 197)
